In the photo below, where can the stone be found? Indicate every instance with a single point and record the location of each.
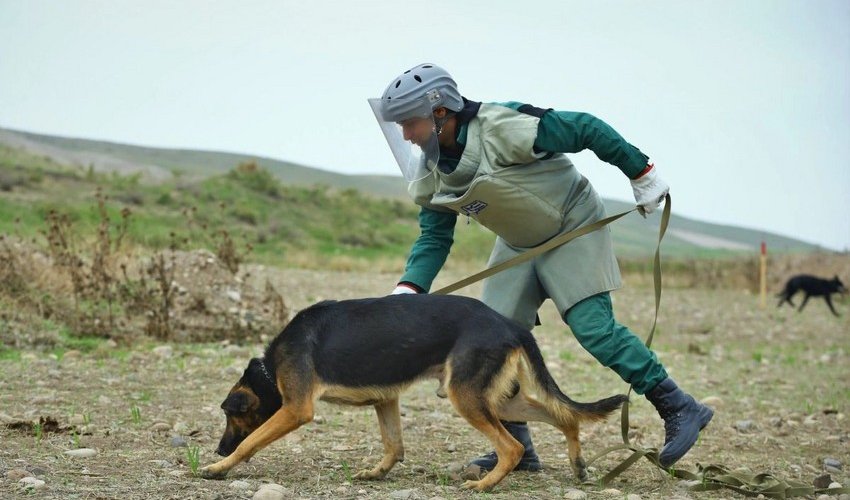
(82, 453)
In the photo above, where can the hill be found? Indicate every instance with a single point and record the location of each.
(633, 235)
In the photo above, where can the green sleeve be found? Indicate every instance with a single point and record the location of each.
(571, 132)
(431, 249)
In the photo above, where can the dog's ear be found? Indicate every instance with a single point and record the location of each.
(238, 403)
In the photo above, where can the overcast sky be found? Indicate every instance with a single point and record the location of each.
(743, 105)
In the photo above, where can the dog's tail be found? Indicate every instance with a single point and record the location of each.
(559, 403)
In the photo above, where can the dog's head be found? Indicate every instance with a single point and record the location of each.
(249, 403)
(839, 286)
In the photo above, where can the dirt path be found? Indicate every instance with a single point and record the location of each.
(779, 380)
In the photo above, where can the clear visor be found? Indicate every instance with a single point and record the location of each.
(409, 128)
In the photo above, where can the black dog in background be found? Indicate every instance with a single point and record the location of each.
(812, 286)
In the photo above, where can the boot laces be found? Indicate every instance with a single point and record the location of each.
(672, 422)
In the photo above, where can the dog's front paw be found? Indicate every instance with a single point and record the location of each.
(211, 472)
(480, 486)
(371, 475)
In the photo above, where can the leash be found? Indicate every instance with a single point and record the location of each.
(711, 477)
(533, 252)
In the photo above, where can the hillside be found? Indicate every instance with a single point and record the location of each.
(634, 236)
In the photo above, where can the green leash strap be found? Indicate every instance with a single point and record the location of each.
(714, 477)
(533, 252)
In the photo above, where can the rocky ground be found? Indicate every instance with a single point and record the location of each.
(133, 422)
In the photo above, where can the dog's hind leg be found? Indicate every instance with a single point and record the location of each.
(829, 303)
(805, 299)
(290, 417)
(471, 404)
(525, 408)
(577, 463)
(389, 421)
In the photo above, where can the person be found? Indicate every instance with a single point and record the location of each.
(504, 165)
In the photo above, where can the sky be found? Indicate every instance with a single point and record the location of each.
(744, 107)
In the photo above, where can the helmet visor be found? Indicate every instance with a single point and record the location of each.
(413, 138)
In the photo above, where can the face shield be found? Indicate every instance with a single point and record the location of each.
(411, 133)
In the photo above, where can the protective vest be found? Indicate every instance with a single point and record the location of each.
(500, 181)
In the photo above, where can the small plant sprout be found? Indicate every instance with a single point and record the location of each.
(38, 431)
(193, 458)
(136, 414)
(346, 469)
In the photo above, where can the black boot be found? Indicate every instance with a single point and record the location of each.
(683, 418)
(530, 461)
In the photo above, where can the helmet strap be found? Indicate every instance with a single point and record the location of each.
(439, 122)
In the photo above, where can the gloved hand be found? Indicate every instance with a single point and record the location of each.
(403, 288)
(649, 190)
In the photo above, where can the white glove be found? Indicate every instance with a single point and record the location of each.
(403, 289)
(649, 191)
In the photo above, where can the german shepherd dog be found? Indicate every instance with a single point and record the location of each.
(368, 351)
(812, 286)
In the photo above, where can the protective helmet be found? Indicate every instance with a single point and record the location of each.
(423, 87)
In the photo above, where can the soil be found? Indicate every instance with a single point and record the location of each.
(778, 380)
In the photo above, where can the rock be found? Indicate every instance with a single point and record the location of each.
(832, 462)
(178, 442)
(632, 496)
(744, 425)
(405, 494)
(574, 494)
(272, 491)
(834, 484)
(163, 351)
(38, 471)
(82, 453)
(234, 295)
(239, 485)
(18, 474)
(822, 481)
(471, 472)
(455, 467)
(611, 492)
(30, 483)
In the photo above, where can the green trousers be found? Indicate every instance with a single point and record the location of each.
(612, 344)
